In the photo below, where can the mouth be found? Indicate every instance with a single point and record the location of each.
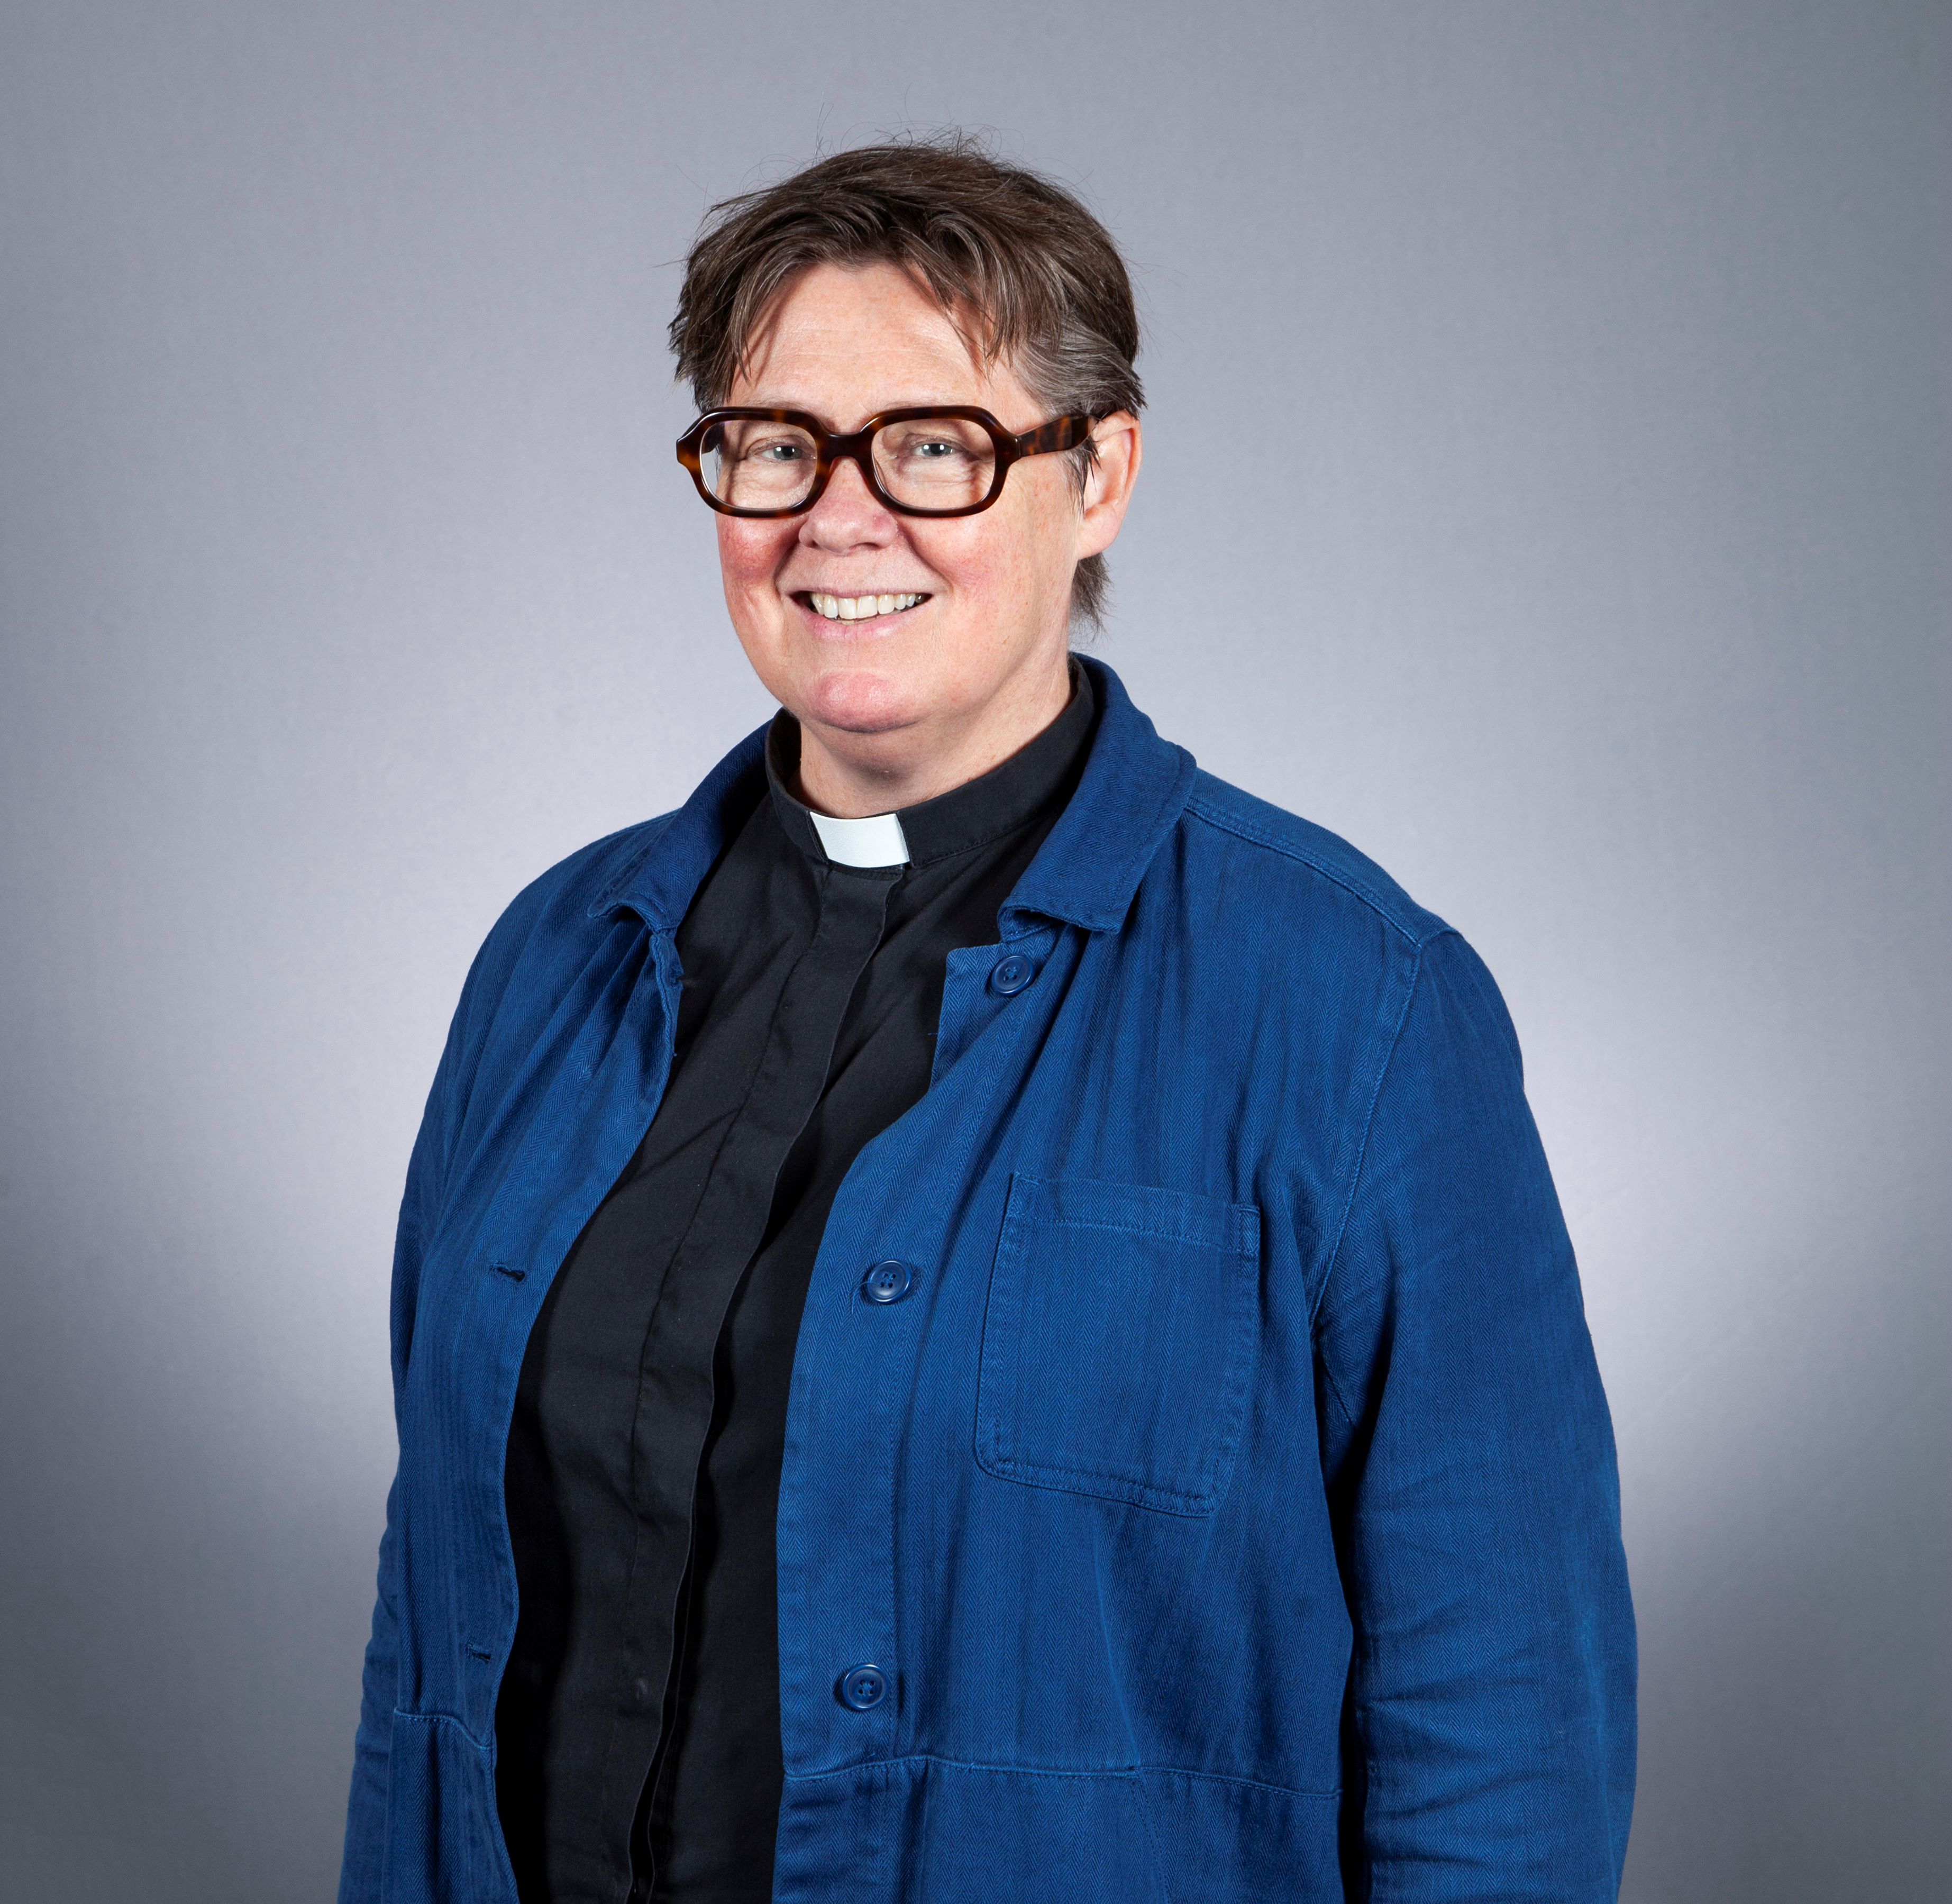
(857, 607)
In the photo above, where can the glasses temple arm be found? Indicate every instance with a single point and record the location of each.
(1060, 433)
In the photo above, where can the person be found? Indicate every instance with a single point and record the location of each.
(978, 1313)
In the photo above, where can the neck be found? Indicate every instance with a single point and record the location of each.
(852, 776)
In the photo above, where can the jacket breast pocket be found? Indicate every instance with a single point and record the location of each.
(1119, 1345)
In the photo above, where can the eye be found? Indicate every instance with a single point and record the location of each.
(776, 449)
(935, 449)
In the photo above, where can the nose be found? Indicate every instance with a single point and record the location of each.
(848, 515)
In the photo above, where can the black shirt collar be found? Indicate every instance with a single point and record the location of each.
(1009, 796)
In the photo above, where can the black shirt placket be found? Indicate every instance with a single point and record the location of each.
(680, 1368)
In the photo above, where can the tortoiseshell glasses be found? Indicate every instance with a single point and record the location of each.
(945, 460)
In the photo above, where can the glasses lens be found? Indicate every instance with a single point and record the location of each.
(749, 463)
(935, 463)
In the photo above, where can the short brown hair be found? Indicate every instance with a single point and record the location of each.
(1021, 253)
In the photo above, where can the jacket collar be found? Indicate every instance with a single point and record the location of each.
(1133, 789)
(1131, 794)
(660, 884)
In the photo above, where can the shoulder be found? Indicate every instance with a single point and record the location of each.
(574, 895)
(1299, 864)
(549, 930)
(1332, 919)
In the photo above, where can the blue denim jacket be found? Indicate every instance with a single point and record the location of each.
(1229, 1509)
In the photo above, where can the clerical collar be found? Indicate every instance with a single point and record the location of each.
(979, 811)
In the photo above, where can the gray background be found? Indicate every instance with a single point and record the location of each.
(346, 581)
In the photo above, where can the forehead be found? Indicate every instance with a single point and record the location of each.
(846, 342)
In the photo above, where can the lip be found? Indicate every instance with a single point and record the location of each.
(869, 625)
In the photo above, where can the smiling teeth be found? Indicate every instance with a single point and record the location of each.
(859, 608)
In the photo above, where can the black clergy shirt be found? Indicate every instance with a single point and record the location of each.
(638, 1727)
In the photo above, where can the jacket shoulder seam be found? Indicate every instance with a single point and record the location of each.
(1257, 836)
(1362, 1158)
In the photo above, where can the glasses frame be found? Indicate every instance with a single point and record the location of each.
(831, 447)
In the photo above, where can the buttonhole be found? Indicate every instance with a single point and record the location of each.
(480, 1652)
(502, 1269)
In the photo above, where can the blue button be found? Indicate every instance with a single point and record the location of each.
(887, 1282)
(864, 1688)
(1010, 975)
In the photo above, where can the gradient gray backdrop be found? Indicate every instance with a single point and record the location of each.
(347, 581)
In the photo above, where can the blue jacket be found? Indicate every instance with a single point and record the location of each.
(1230, 1509)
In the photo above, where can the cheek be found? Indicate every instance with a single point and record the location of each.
(750, 553)
(994, 562)
(959, 555)
(1045, 520)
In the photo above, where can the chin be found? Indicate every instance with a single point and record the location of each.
(862, 701)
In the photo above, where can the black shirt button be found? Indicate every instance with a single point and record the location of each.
(887, 1282)
(1010, 974)
(864, 1688)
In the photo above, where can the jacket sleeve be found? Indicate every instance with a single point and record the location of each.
(363, 1863)
(1471, 1474)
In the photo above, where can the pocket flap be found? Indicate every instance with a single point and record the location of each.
(1118, 1343)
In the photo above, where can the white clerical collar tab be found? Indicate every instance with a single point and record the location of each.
(875, 841)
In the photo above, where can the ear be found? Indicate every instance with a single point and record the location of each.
(1108, 488)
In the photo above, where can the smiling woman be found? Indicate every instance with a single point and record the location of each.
(979, 1315)
(875, 452)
